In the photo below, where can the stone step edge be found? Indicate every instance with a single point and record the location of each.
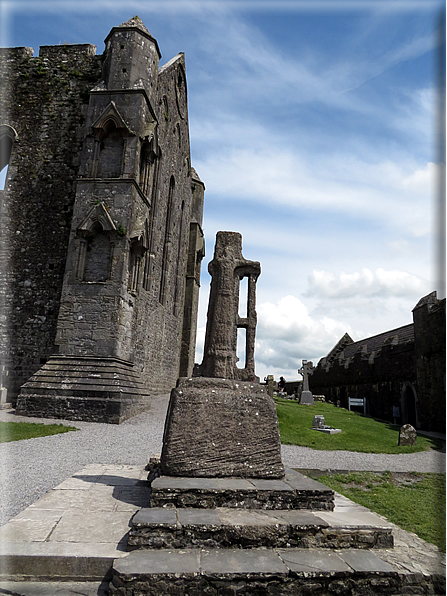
(294, 491)
(293, 569)
(78, 389)
(160, 528)
(50, 561)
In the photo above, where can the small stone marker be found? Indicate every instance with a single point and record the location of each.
(306, 370)
(407, 435)
(4, 404)
(270, 379)
(318, 423)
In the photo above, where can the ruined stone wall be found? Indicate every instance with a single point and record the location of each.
(380, 379)
(429, 328)
(98, 208)
(45, 100)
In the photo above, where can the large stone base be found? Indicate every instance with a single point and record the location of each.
(307, 398)
(220, 428)
(84, 388)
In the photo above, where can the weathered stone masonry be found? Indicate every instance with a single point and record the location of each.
(102, 197)
(401, 372)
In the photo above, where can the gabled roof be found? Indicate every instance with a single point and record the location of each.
(401, 335)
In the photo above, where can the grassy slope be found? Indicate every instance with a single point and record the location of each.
(15, 431)
(358, 432)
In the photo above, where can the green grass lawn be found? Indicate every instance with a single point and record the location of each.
(413, 501)
(16, 431)
(358, 432)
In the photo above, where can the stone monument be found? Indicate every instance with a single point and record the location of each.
(306, 370)
(4, 404)
(270, 380)
(407, 435)
(221, 423)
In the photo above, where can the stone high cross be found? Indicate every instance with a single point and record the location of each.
(306, 370)
(227, 269)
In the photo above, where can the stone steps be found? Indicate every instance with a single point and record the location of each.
(159, 528)
(266, 571)
(77, 531)
(106, 390)
(294, 491)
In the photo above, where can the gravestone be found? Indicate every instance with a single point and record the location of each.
(4, 404)
(407, 435)
(270, 380)
(306, 370)
(318, 421)
(221, 423)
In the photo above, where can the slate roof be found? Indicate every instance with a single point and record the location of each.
(399, 336)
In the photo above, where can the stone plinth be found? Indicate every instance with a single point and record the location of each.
(307, 398)
(218, 428)
(293, 492)
(107, 390)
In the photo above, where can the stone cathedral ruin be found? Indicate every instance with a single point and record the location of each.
(101, 241)
(100, 254)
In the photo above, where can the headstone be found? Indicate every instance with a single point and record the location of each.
(4, 404)
(306, 370)
(407, 435)
(270, 379)
(220, 424)
(318, 421)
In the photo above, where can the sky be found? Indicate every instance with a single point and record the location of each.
(314, 126)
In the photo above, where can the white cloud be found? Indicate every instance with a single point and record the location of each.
(365, 283)
(287, 334)
(394, 194)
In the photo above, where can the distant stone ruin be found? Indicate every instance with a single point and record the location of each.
(218, 424)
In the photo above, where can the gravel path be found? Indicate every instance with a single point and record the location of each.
(33, 467)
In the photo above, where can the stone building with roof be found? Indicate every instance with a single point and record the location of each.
(400, 372)
(101, 240)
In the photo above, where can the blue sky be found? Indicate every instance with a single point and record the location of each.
(314, 128)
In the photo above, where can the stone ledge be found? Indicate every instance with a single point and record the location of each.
(261, 571)
(235, 528)
(294, 491)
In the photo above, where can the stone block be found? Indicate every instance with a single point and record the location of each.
(217, 428)
(407, 435)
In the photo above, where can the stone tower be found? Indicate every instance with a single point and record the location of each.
(126, 304)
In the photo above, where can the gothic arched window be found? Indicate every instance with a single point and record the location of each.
(110, 164)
